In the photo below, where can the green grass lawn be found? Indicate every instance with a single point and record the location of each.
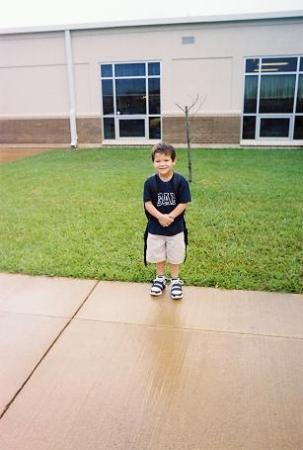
(80, 214)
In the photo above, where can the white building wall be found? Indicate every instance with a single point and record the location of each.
(208, 78)
(34, 91)
(33, 76)
(212, 67)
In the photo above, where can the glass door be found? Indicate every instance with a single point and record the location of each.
(130, 102)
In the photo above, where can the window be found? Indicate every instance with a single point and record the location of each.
(131, 100)
(273, 98)
(154, 128)
(132, 128)
(106, 70)
(299, 107)
(279, 65)
(154, 69)
(277, 94)
(274, 127)
(252, 65)
(249, 127)
(109, 128)
(154, 95)
(108, 99)
(250, 96)
(298, 134)
(129, 70)
(131, 96)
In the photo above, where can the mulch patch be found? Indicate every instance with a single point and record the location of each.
(8, 154)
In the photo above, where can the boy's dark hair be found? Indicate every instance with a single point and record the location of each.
(164, 149)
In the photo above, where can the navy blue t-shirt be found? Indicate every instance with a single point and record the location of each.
(166, 203)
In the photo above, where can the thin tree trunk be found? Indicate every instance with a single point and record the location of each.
(190, 177)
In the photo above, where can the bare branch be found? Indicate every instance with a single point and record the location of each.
(199, 106)
(194, 102)
(182, 109)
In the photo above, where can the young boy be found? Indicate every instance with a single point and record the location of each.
(165, 208)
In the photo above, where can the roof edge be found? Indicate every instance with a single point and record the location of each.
(296, 14)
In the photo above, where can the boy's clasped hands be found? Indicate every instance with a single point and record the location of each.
(165, 220)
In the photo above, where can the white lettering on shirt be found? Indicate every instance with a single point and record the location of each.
(166, 199)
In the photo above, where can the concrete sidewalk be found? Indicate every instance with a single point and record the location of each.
(88, 365)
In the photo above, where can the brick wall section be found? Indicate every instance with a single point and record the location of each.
(204, 130)
(89, 131)
(48, 131)
(34, 131)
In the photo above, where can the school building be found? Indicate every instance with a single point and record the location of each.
(127, 82)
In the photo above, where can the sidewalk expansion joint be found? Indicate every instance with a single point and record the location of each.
(194, 329)
(9, 404)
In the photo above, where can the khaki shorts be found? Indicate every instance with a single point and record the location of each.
(165, 248)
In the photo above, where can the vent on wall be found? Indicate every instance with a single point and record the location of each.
(188, 39)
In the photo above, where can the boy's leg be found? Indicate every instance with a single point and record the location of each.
(174, 270)
(176, 255)
(160, 268)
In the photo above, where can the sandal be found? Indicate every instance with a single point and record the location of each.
(158, 286)
(176, 291)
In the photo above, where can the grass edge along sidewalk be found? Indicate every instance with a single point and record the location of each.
(79, 214)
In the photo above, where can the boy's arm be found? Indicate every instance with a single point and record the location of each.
(164, 219)
(179, 209)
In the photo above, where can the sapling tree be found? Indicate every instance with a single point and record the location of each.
(187, 110)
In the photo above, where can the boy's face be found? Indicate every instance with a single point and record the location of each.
(164, 165)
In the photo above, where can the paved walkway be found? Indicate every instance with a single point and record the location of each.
(88, 365)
